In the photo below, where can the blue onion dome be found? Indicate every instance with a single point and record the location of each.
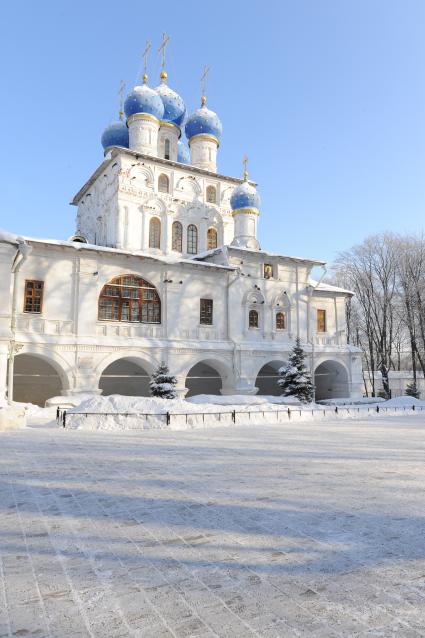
(245, 196)
(143, 99)
(174, 107)
(203, 121)
(183, 154)
(116, 134)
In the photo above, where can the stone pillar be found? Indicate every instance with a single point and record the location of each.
(180, 388)
(4, 348)
(242, 386)
(86, 380)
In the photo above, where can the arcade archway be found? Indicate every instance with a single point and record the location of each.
(203, 378)
(126, 376)
(35, 379)
(331, 381)
(267, 378)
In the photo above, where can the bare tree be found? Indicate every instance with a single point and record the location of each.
(411, 284)
(370, 271)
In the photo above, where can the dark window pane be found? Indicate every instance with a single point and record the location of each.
(33, 295)
(280, 321)
(206, 311)
(253, 319)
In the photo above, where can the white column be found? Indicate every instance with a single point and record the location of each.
(246, 228)
(169, 234)
(3, 369)
(203, 152)
(143, 133)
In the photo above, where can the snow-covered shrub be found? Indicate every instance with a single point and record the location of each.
(163, 383)
(295, 379)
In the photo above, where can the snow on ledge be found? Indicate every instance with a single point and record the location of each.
(10, 238)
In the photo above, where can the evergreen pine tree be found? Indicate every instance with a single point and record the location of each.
(162, 383)
(295, 379)
(412, 390)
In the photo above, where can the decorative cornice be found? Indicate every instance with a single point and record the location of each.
(246, 211)
(204, 136)
(143, 116)
(163, 123)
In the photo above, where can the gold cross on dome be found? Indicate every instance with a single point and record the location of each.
(245, 164)
(121, 92)
(145, 60)
(204, 81)
(165, 40)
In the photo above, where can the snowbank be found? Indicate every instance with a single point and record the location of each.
(242, 399)
(348, 401)
(68, 401)
(117, 412)
(404, 402)
(12, 417)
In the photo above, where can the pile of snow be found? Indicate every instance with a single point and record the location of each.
(118, 412)
(404, 402)
(12, 417)
(242, 399)
(33, 410)
(66, 402)
(348, 401)
(9, 238)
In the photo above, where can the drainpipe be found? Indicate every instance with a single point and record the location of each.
(235, 345)
(298, 300)
(23, 251)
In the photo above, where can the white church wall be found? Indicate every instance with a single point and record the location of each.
(7, 254)
(74, 280)
(117, 207)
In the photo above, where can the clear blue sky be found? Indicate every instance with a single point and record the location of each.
(327, 97)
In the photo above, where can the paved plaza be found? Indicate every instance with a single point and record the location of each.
(310, 529)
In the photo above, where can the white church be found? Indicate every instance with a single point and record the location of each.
(165, 266)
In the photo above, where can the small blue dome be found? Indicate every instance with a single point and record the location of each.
(203, 121)
(143, 99)
(174, 107)
(116, 134)
(244, 196)
(183, 154)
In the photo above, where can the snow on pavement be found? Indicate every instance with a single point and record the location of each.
(304, 530)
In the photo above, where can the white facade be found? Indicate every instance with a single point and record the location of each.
(157, 219)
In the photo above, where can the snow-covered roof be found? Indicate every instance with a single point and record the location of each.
(166, 259)
(323, 287)
(10, 238)
(216, 251)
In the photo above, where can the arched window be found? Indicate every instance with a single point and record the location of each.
(192, 239)
(167, 150)
(211, 238)
(177, 237)
(253, 319)
(129, 298)
(280, 321)
(211, 194)
(154, 233)
(163, 183)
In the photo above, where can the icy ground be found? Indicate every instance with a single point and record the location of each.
(308, 529)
